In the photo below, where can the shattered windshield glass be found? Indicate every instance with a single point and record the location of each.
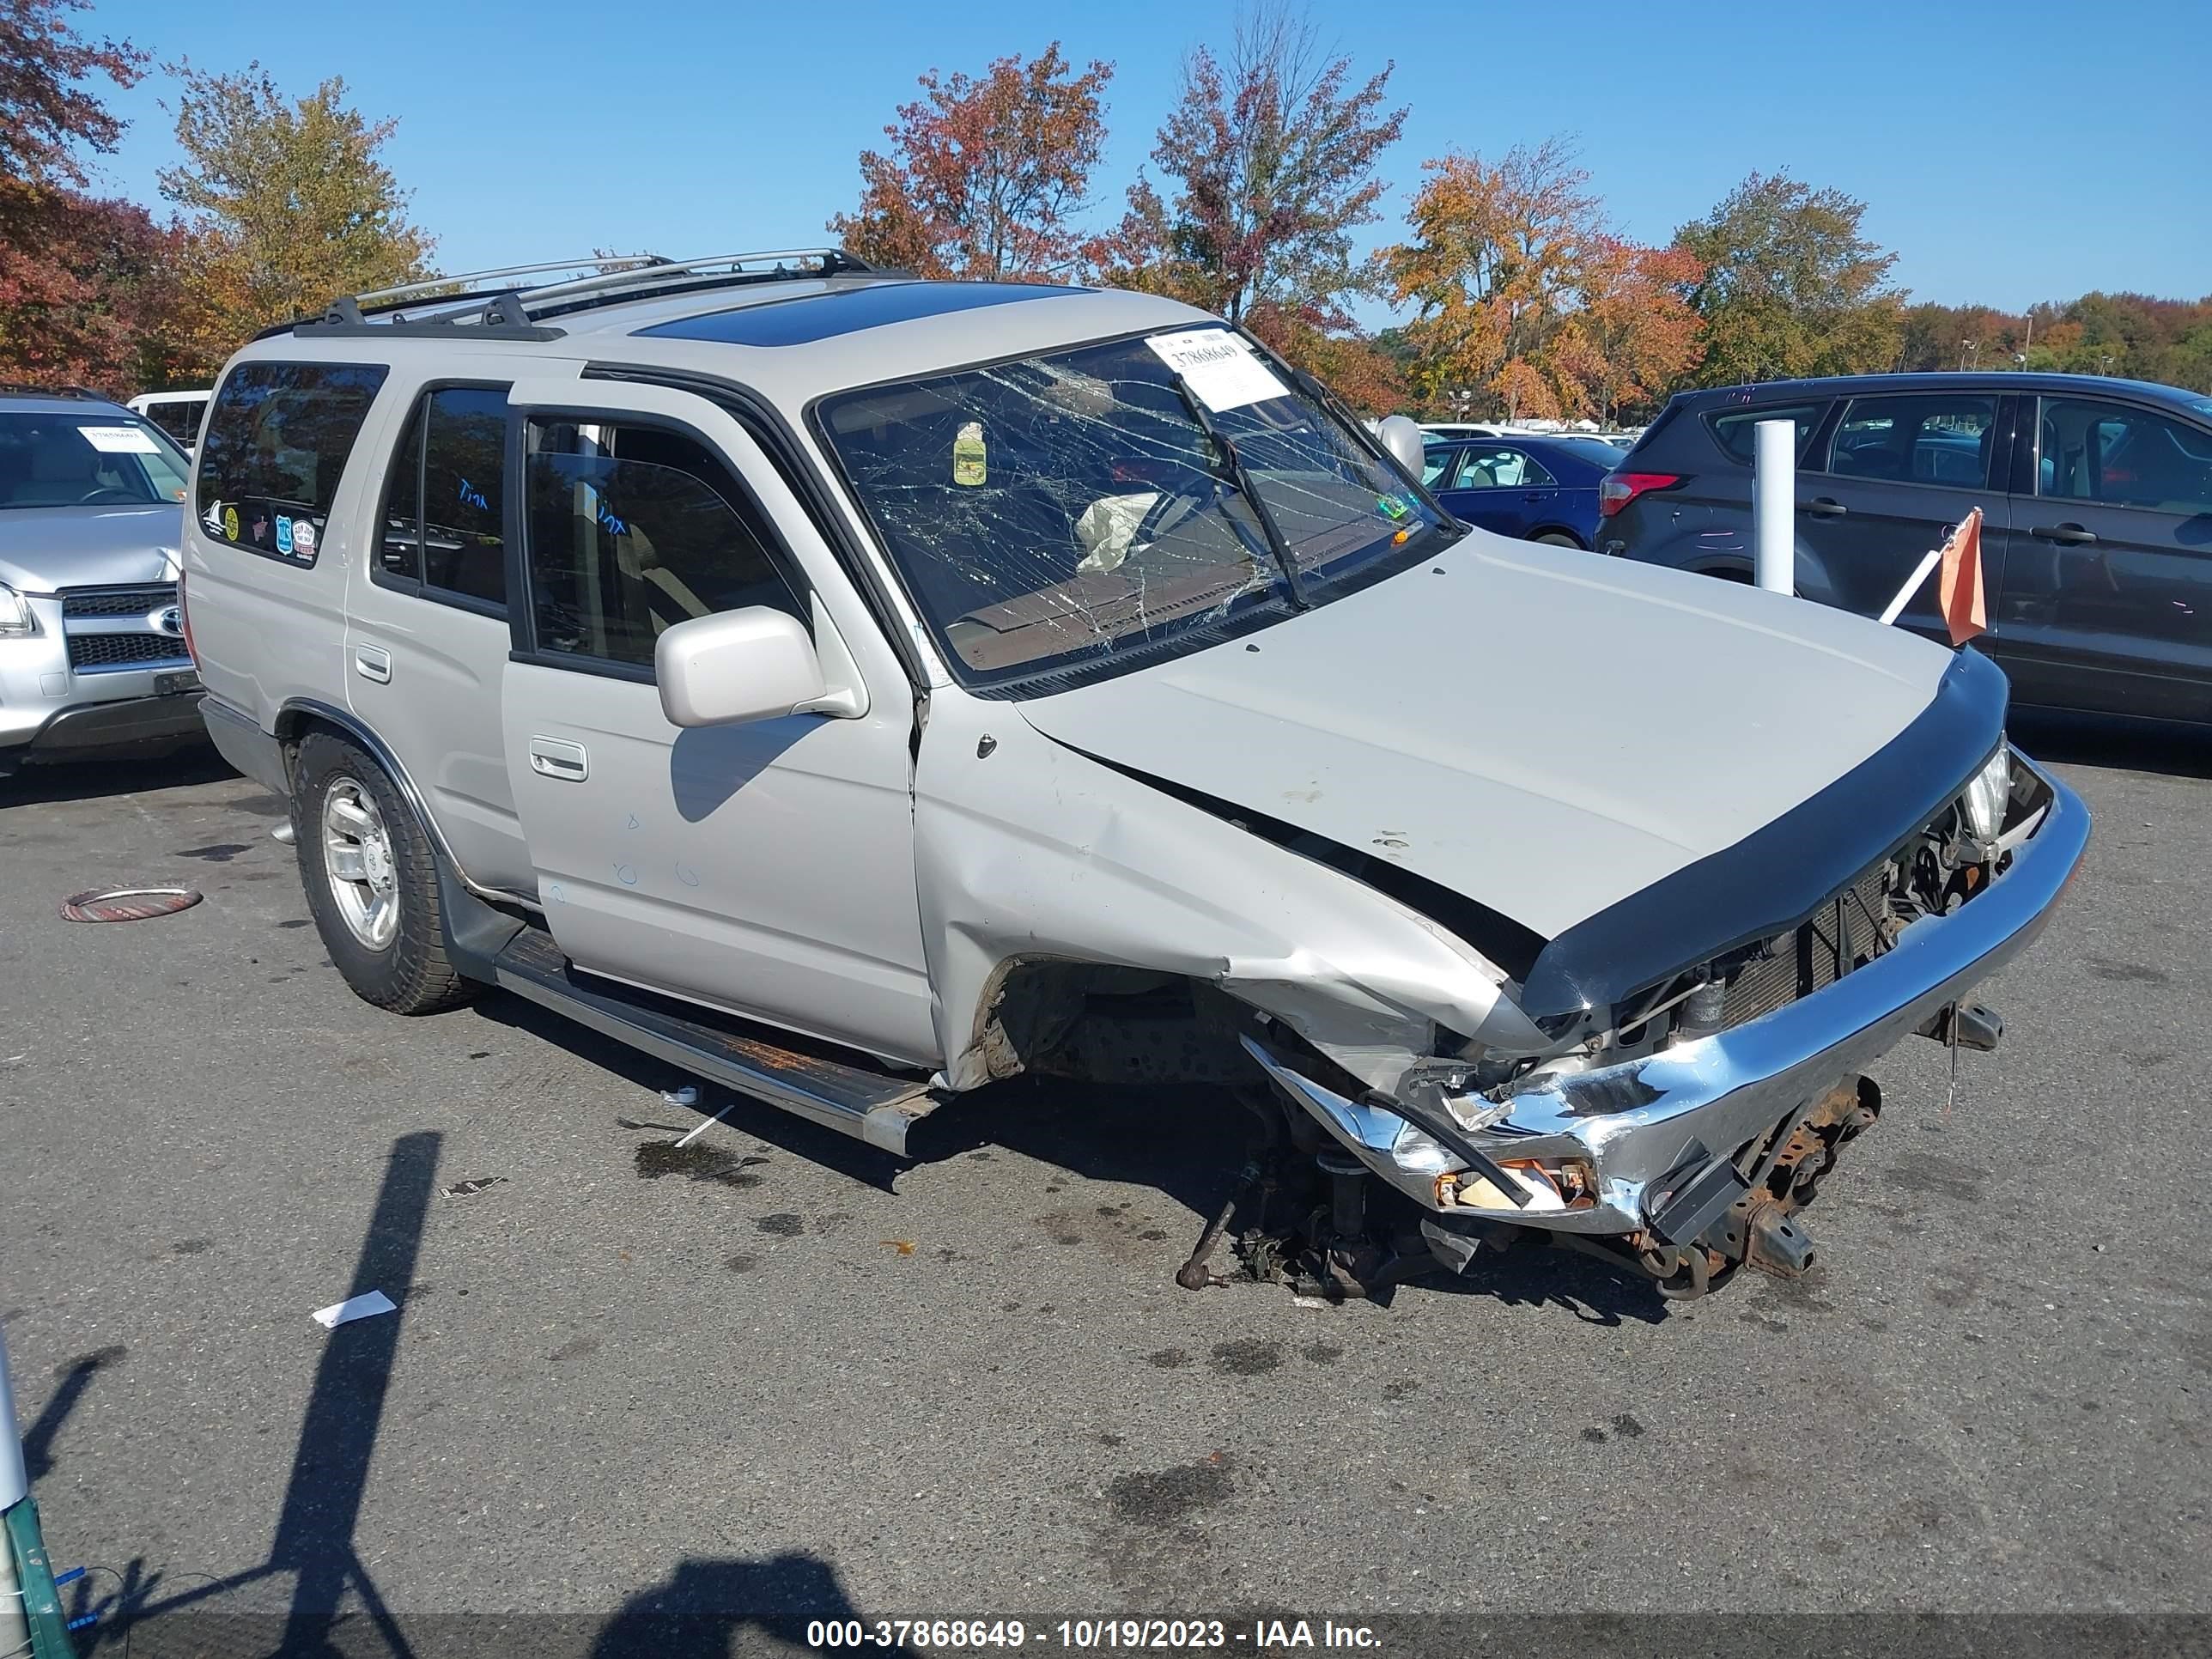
(1064, 510)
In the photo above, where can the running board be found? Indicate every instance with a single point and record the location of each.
(871, 1106)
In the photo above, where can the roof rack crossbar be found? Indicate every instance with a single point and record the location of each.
(461, 279)
(663, 268)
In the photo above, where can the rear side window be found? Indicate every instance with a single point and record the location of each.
(1919, 438)
(444, 532)
(1493, 466)
(2123, 457)
(631, 530)
(179, 418)
(276, 444)
(1735, 430)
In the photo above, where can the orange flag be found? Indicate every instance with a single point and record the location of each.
(1959, 588)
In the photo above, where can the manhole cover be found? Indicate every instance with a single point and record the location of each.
(128, 903)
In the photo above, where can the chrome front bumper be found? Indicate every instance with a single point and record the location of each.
(1638, 1121)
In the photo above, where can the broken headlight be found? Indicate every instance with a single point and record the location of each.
(1986, 794)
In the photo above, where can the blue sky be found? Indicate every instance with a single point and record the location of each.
(2008, 153)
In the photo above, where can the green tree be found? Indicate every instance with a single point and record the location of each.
(1791, 286)
(290, 205)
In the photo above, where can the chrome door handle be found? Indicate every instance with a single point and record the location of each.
(555, 757)
(1826, 507)
(372, 662)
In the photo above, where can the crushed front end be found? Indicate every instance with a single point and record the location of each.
(1679, 1118)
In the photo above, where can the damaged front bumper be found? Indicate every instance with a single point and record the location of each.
(1645, 1129)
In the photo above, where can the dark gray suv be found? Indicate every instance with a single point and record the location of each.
(2096, 496)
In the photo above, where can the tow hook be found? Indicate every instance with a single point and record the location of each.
(1966, 1026)
(1777, 1242)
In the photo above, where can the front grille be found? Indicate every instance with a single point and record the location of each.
(1841, 936)
(91, 653)
(117, 601)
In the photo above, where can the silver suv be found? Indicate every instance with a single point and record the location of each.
(857, 690)
(92, 650)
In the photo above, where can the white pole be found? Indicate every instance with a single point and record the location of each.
(15, 1486)
(1774, 507)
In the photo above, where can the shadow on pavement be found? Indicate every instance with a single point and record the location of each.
(90, 780)
(2177, 752)
(75, 1378)
(714, 1608)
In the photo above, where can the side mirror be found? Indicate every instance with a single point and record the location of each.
(1404, 441)
(756, 664)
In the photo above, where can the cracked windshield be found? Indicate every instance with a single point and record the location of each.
(1065, 510)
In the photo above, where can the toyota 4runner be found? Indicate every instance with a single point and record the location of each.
(856, 690)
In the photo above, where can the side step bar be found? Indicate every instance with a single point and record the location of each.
(871, 1106)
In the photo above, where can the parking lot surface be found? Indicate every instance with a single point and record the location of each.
(777, 1376)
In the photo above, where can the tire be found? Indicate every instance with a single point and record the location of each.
(1558, 538)
(382, 926)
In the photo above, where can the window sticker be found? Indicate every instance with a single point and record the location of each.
(303, 538)
(230, 524)
(284, 535)
(969, 457)
(1219, 366)
(119, 439)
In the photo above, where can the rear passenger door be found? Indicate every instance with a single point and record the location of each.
(1897, 472)
(766, 868)
(426, 634)
(1499, 487)
(2107, 600)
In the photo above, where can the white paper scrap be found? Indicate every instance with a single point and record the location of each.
(1219, 366)
(354, 1307)
(120, 439)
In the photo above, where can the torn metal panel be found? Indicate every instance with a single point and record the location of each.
(1032, 851)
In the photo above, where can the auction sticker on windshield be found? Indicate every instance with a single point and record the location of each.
(119, 439)
(1219, 368)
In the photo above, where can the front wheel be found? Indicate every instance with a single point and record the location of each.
(1557, 538)
(372, 880)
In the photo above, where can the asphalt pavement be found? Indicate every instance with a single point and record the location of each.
(776, 1376)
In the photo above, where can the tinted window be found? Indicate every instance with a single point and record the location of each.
(1737, 429)
(1494, 466)
(89, 457)
(443, 516)
(1916, 439)
(1434, 460)
(631, 530)
(2123, 457)
(179, 419)
(277, 445)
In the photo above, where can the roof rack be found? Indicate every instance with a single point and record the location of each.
(484, 300)
(25, 389)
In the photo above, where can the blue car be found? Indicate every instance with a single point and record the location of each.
(1539, 489)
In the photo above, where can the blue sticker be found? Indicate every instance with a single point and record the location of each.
(284, 535)
(471, 496)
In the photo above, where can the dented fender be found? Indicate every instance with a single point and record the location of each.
(1029, 850)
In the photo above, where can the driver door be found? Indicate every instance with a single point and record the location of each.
(764, 868)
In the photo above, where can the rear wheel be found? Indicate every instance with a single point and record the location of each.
(372, 880)
(1557, 538)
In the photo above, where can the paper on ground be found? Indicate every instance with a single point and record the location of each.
(354, 1307)
(1217, 367)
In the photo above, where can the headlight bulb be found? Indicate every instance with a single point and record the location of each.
(1986, 796)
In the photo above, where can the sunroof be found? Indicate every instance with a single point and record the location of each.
(802, 321)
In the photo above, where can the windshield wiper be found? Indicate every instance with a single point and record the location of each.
(1241, 475)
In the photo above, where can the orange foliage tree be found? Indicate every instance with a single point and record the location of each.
(985, 177)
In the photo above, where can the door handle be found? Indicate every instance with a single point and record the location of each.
(1534, 495)
(372, 662)
(1826, 507)
(556, 757)
(2068, 535)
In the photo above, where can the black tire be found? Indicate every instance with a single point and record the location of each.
(1557, 538)
(409, 972)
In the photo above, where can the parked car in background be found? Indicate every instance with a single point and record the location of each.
(2096, 497)
(92, 649)
(176, 413)
(1541, 489)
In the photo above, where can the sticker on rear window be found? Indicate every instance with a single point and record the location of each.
(1219, 366)
(119, 439)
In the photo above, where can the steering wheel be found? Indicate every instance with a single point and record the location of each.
(116, 491)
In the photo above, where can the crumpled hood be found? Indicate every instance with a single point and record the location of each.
(1543, 730)
(45, 549)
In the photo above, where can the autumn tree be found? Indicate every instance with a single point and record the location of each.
(985, 177)
(1493, 273)
(1637, 334)
(1273, 157)
(1791, 285)
(85, 290)
(290, 204)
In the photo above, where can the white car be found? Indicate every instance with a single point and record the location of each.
(176, 413)
(858, 690)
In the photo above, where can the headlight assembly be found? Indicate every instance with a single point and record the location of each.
(1986, 796)
(15, 617)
